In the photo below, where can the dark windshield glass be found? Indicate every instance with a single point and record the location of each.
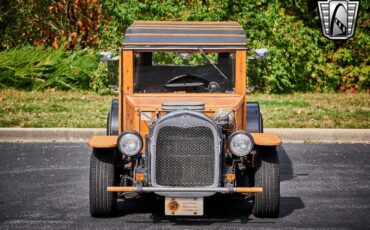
(161, 72)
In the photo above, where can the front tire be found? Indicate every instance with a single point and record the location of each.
(102, 175)
(267, 176)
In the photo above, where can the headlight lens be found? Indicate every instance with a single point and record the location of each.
(224, 117)
(241, 143)
(129, 143)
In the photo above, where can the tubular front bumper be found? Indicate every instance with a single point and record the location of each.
(180, 189)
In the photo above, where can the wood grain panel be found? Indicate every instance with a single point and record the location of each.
(240, 71)
(120, 92)
(266, 139)
(103, 141)
(187, 35)
(128, 84)
(240, 81)
(183, 44)
(186, 22)
(154, 102)
(187, 27)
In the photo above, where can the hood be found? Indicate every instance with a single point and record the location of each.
(212, 102)
(141, 110)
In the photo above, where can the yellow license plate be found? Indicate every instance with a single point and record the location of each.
(183, 206)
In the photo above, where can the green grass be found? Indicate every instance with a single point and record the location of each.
(52, 109)
(85, 109)
(310, 110)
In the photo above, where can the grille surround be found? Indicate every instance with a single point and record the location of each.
(184, 119)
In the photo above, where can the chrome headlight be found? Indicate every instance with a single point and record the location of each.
(224, 117)
(241, 143)
(129, 143)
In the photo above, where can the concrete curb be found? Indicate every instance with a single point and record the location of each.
(84, 134)
(48, 134)
(308, 135)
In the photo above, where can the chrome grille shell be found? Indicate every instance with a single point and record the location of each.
(184, 151)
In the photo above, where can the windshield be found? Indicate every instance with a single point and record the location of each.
(175, 72)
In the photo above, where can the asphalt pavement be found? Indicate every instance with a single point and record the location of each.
(45, 186)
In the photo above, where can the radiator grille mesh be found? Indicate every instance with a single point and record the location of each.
(185, 156)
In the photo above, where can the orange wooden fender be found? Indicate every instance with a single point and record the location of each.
(103, 142)
(266, 139)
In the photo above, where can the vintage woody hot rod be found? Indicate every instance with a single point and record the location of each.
(181, 127)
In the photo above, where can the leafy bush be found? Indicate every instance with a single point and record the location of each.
(300, 59)
(40, 68)
(61, 23)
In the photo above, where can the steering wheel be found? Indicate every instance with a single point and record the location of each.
(187, 80)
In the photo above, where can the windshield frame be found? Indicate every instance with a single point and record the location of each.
(228, 58)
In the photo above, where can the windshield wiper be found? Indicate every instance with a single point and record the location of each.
(222, 74)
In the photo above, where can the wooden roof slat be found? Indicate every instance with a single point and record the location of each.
(185, 35)
(187, 22)
(189, 26)
(185, 43)
(173, 33)
(183, 39)
(183, 31)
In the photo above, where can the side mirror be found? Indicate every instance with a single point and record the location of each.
(112, 73)
(105, 56)
(185, 55)
(261, 53)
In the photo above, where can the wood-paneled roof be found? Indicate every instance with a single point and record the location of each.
(184, 35)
